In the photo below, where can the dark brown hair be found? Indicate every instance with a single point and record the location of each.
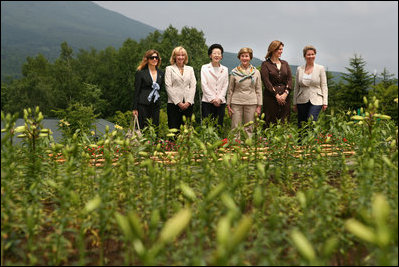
(144, 61)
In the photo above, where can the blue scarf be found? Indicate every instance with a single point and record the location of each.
(154, 92)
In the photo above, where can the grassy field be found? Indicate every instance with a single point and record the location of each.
(201, 199)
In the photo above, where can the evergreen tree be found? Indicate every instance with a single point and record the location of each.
(358, 82)
(388, 79)
(33, 89)
(387, 91)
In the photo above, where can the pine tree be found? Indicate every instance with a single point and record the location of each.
(358, 82)
(387, 78)
(387, 91)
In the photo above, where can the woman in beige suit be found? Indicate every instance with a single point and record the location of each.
(310, 92)
(244, 94)
(180, 86)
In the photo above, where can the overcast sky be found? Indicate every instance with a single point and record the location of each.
(337, 29)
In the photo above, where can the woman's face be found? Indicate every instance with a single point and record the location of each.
(153, 60)
(278, 52)
(310, 56)
(245, 58)
(180, 58)
(216, 55)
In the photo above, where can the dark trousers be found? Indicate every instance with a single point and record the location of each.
(305, 111)
(150, 111)
(175, 115)
(217, 113)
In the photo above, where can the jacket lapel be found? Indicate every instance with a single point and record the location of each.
(147, 76)
(212, 71)
(175, 68)
(159, 77)
(185, 72)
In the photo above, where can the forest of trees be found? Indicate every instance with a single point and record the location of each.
(102, 81)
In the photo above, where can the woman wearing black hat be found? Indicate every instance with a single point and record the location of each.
(214, 83)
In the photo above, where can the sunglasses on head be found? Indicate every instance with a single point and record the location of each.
(153, 57)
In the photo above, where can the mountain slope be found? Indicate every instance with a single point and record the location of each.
(32, 27)
(231, 61)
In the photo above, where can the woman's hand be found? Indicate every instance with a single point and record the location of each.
(280, 99)
(295, 108)
(216, 102)
(183, 106)
(324, 107)
(284, 96)
(229, 111)
(258, 110)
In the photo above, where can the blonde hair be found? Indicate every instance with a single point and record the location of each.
(307, 48)
(274, 46)
(245, 50)
(144, 61)
(175, 52)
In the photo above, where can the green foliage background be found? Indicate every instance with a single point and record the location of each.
(103, 80)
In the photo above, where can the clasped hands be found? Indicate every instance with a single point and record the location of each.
(281, 98)
(184, 106)
(216, 102)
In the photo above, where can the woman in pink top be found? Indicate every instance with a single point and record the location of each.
(214, 82)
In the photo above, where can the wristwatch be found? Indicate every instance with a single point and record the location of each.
(288, 92)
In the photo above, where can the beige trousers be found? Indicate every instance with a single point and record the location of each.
(241, 115)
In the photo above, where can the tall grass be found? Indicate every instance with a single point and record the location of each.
(264, 201)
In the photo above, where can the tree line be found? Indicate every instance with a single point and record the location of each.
(101, 83)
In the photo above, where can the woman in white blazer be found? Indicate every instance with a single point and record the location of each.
(180, 86)
(311, 91)
(214, 83)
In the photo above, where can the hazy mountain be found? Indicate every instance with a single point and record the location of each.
(32, 27)
(231, 61)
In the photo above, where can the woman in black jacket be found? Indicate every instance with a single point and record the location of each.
(148, 82)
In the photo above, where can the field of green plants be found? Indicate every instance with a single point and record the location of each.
(202, 199)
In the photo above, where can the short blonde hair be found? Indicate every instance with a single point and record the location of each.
(307, 48)
(273, 46)
(245, 50)
(175, 52)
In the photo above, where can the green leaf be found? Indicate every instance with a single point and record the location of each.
(360, 230)
(175, 225)
(303, 245)
(93, 204)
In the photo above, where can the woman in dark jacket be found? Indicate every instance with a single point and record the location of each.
(277, 79)
(148, 82)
